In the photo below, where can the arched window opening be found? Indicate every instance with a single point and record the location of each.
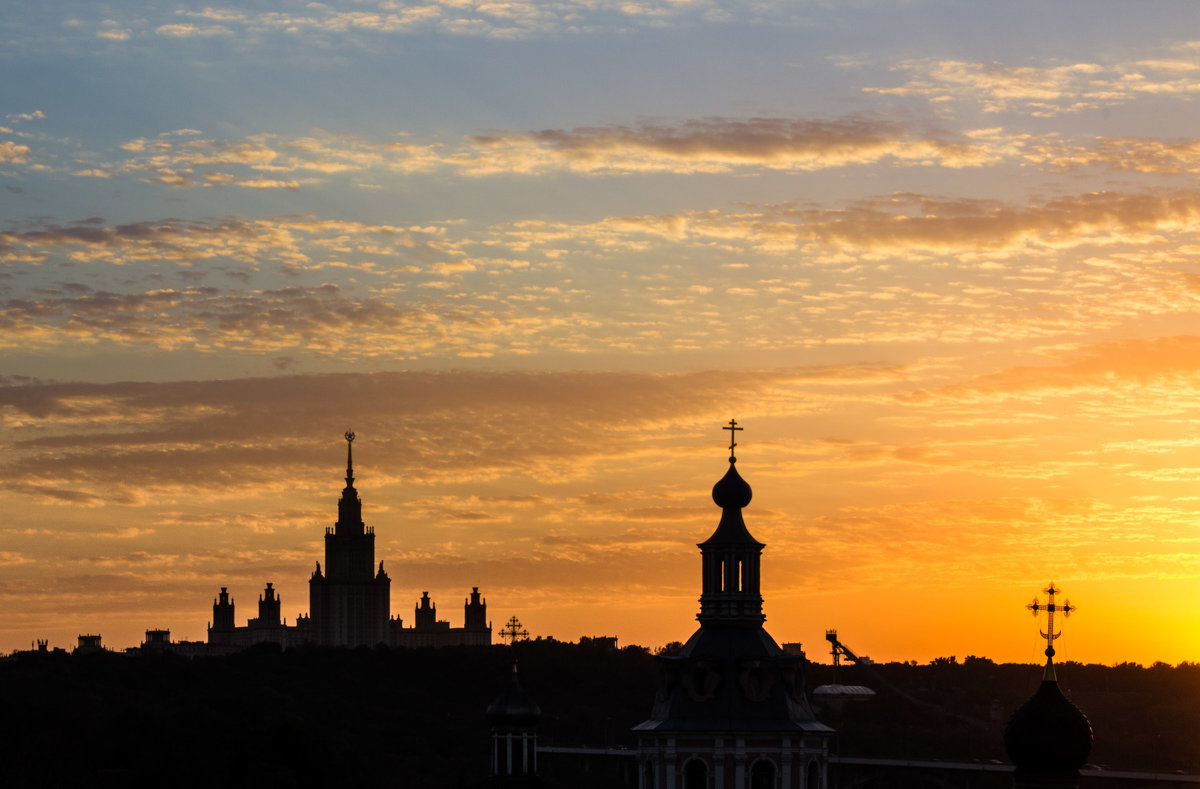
(741, 585)
(695, 775)
(762, 775)
(814, 776)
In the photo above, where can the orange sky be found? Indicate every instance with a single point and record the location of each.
(940, 265)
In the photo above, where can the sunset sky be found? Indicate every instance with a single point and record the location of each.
(941, 260)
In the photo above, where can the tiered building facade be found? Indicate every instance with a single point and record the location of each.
(350, 599)
(350, 603)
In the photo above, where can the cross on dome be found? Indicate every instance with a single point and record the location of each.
(1050, 607)
(732, 427)
(513, 632)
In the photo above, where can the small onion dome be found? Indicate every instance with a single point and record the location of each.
(731, 491)
(513, 707)
(1048, 734)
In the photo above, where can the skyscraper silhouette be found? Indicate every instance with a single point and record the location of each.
(349, 603)
(349, 598)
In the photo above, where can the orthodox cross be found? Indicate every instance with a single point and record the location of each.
(1050, 607)
(513, 631)
(732, 427)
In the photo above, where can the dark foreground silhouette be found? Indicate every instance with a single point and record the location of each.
(338, 717)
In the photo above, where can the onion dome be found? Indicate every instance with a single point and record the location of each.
(1048, 734)
(513, 707)
(731, 491)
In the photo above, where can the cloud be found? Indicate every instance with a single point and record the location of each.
(1044, 90)
(336, 28)
(192, 31)
(456, 290)
(722, 145)
(899, 224)
(36, 115)
(1135, 366)
(11, 153)
(83, 442)
(1130, 154)
(930, 223)
(185, 159)
(316, 319)
(94, 172)
(709, 145)
(180, 241)
(513, 19)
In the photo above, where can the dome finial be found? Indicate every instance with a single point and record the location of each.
(1050, 607)
(349, 458)
(731, 491)
(732, 427)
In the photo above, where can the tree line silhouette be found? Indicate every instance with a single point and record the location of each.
(311, 717)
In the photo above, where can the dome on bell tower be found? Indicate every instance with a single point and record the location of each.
(731, 491)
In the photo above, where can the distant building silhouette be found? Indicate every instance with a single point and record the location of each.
(157, 640)
(267, 627)
(514, 718)
(350, 603)
(88, 643)
(602, 642)
(429, 631)
(730, 709)
(349, 599)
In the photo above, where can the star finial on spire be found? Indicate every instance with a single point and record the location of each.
(732, 427)
(349, 458)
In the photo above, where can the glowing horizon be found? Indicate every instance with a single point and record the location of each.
(939, 262)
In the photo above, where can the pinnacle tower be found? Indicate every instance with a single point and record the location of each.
(350, 602)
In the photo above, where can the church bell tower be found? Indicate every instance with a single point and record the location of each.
(730, 558)
(731, 710)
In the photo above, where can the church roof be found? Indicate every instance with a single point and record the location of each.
(1048, 734)
(514, 707)
(731, 493)
(729, 679)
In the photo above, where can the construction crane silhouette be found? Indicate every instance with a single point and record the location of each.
(840, 650)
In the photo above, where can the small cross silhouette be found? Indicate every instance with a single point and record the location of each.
(513, 631)
(732, 427)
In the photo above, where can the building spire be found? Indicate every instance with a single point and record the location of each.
(350, 505)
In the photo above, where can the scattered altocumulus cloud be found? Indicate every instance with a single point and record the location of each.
(1046, 90)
